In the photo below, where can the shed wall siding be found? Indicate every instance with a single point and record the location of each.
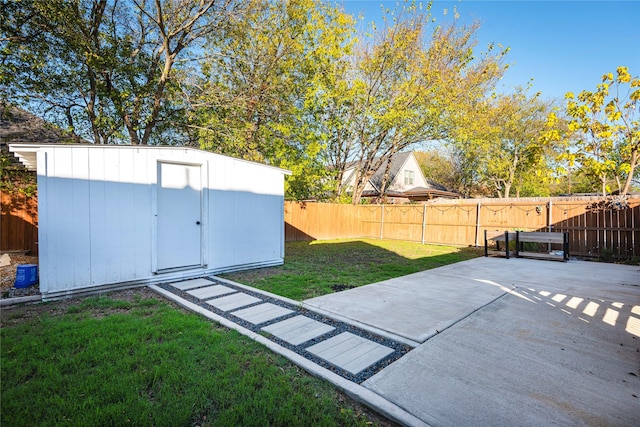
(98, 214)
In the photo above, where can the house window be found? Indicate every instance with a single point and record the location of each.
(408, 177)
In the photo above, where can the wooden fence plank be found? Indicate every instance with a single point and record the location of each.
(19, 223)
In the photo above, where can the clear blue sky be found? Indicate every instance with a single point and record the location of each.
(562, 45)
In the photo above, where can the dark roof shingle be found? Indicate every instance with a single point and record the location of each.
(18, 126)
(396, 163)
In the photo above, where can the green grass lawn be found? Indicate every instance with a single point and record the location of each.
(132, 358)
(141, 361)
(317, 268)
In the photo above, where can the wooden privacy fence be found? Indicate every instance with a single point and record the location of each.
(594, 230)
(19, 223)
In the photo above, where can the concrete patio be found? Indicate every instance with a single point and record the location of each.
(496, 341)
(508, 342)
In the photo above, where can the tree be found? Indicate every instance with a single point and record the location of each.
(607, 128)
(441, 166)
(574, 181)
(255, 96)
(501, 138)
(401, 90)
(104, 68)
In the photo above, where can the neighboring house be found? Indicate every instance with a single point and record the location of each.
(18, 126)
(406, 182)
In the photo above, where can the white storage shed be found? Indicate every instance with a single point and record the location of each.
(113, 216)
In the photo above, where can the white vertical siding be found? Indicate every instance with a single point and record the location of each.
(80, 213)
(133, 214)
(97, 210)
(44, 262)
(68, 225)
(246, 213)
(117, 200)
(99, 216)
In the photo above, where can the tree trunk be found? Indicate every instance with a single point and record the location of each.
(512, 173)
(158, 97)
(362, 176)
(385, 179)
(358, 187)
(133, 135)
(337, 185)
(632, 166)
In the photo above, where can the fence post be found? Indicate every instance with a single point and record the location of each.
(424, 220)
(478, 221)
(549, 206)
(382, 221)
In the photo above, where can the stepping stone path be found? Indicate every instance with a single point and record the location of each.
(211, 291)
(350, 352)
(299, 329)
(233, 301)
(262, 313)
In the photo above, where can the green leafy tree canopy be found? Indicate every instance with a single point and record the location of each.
(606, 128)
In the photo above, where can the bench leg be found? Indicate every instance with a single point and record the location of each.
(486, 245)
(506, 242)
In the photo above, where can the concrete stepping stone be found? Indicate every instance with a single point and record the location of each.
(211, 291)
(232, 302)
(262, 313)
(191, 284)
(298, 329)
(350, 352)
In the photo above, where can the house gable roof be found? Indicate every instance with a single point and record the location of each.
(432, 185)
(397, 162)
(18, 126)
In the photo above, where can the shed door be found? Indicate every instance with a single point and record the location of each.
(179, 216)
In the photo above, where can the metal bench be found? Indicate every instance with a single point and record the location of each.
(521, 237)
(550, 238)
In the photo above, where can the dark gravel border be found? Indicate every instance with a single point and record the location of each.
(340, 327)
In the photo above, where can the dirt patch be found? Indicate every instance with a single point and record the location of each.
(252, 276)
(11, 315)
(340, 288)
(8, 277)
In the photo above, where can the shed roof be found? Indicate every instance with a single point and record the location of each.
(27, 153)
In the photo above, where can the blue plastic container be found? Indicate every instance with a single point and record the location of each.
(26, 275)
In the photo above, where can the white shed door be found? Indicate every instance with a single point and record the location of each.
(179, 216)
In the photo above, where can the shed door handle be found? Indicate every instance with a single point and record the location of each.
(197, 222)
